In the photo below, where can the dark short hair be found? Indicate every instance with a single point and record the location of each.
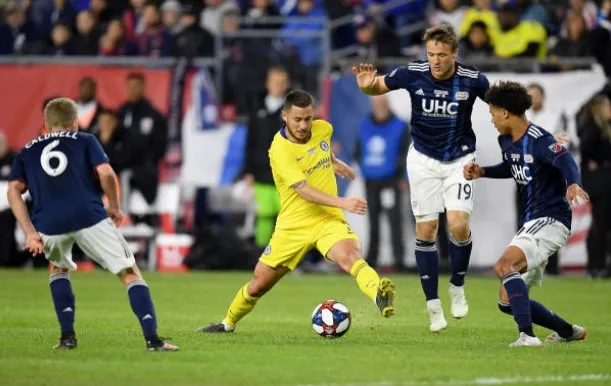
(108, 111)
(298, 98)
(509, 95)
(479, 24)
(443, 33)
(538, 87)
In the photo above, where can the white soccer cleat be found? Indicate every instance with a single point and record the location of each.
(438, 321)
(579, 333)
(459, 308)
(527, 341)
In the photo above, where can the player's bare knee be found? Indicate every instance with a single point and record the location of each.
(347, 259)
(129, 275)
(427, 230)
(460, 230)
(503, 267)
(55, 269)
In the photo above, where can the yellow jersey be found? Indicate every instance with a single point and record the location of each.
(293, 162)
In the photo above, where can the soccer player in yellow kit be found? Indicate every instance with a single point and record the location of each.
(311, 214)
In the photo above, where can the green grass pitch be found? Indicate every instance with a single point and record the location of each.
(275, 344)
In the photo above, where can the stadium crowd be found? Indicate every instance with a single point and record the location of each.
(373, 29)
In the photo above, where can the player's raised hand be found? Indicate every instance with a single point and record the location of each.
(365, 75)
(342, 170)
(355, 205)
(116, 215)
(34, 244)
(473, 171)
(576, 195)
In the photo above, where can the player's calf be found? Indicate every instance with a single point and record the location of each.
(64, 303)
(142, 306)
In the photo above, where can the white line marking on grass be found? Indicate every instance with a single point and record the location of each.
(483, 381)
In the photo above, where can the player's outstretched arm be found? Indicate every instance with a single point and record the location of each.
(367, 80)
(33, 242)
(473, 171)
(341, 169)
(110, 187)
(310, 193)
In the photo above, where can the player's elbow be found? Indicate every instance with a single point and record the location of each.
(301, 188)
(105, 171)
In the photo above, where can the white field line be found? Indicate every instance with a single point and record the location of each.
(484, 381)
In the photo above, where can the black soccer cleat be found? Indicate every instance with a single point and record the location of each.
(66, 343)
(213, 328)
(385, 297)
(157, 344)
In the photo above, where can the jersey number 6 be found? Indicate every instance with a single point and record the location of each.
(48, 154)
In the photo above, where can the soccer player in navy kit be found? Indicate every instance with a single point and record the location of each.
(442, 93)
(548, 179)
(64, 171)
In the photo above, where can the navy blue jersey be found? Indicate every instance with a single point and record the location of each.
(59, 170)
(441, 109)
(541, 186)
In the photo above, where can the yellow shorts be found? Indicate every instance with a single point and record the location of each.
(287, 247)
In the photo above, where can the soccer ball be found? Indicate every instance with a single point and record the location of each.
(331, 319)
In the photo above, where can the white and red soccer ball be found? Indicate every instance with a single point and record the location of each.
(331, 319)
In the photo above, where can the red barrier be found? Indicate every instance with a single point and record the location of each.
(23, 88)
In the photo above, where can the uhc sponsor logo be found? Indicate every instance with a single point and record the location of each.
(439, 108)
(521, 174)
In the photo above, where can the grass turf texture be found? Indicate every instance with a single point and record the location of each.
(275, 344)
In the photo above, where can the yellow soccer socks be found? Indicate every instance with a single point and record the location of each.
(366, 277)
(241, 305)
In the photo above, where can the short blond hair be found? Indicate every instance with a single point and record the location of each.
(60, 113)
(443, 33)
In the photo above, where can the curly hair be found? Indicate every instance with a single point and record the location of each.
(509, 95)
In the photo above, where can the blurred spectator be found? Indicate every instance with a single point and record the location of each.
(7, 156)
(531, 10)
(145, 122)
(170, 16)
(61, 41)
(308, 48)
(88, 107)
(263, 124)
(87, 38)
(122, 149)
(259, 9)
(343, 35)
(519, 38)
(246, 62)
(594, 129)
(600, 38)
(154, 40)
(381, 152)
(449, 12)
(576, 44)
(19, 35)
(211, 16)
(149, 129)
(375, 40)
(8, 246)
(477, 43)
(409, 14)
(133, 18)
(115, 43)
(588, 11)
(101, 12)
(541, 115)
(193, 40)
(554, 122)
(481, 11)
(61, 12)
